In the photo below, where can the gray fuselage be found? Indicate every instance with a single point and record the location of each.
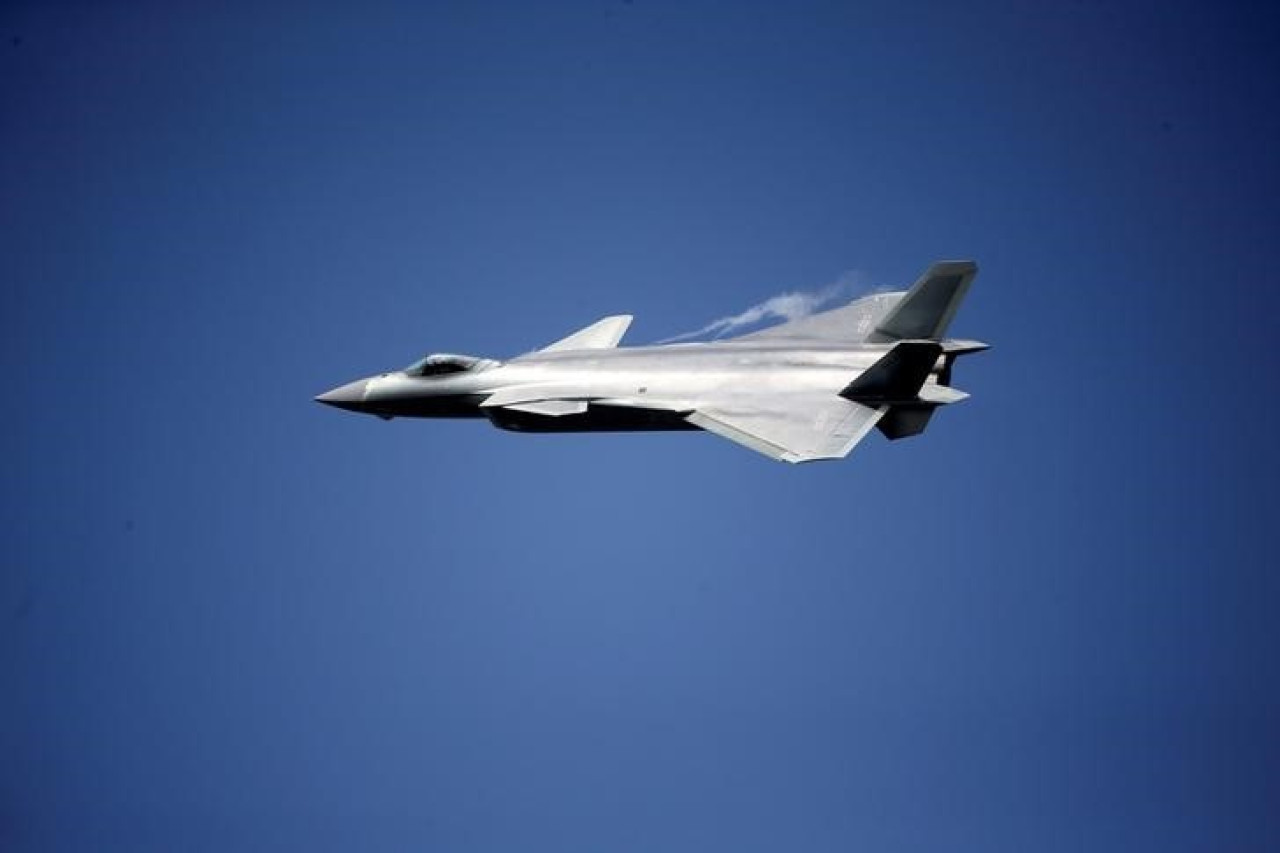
(676, 378)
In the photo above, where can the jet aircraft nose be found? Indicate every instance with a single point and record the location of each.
(349, 396)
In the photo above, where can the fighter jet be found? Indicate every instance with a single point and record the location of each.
(801, 391)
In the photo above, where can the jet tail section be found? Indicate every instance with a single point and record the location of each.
(904, 421)
(898, 385)
(930, 304)
(898, 376)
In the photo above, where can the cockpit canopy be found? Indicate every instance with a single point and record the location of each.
(443, 363)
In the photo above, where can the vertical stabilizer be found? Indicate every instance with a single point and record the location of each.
(926, 311)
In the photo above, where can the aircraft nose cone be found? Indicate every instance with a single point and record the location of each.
(349, 396)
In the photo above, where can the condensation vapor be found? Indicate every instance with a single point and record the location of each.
(785, 307)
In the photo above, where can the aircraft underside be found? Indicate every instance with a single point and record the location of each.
(594, 419)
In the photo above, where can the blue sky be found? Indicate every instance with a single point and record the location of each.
(236, 620)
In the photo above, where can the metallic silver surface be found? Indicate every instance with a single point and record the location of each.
(349, 396)
(805, 390)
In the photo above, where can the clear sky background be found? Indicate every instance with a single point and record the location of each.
(233, 619)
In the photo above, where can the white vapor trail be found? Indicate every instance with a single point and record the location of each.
(785, 307)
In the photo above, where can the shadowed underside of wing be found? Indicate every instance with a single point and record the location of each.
(809, 428)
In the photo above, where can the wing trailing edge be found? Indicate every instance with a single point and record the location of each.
(810, 429)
